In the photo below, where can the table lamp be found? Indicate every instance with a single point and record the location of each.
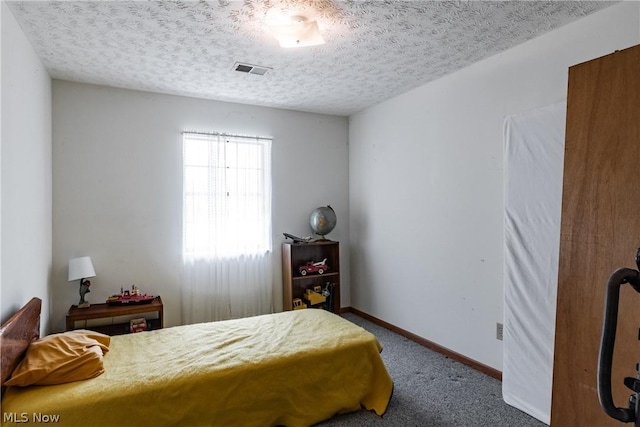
(81, 268)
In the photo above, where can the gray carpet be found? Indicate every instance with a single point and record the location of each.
(433, 390)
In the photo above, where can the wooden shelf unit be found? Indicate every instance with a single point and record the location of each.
(295, 255)
(105, 311)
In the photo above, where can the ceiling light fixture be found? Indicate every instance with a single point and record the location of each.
(298, 31)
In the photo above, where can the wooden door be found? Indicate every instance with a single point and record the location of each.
(600, 231)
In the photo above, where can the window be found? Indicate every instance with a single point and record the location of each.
(226, 196)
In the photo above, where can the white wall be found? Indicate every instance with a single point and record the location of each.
(426, 185)
(118, 186)
(26, 174)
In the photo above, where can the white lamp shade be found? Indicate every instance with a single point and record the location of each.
(80, 268)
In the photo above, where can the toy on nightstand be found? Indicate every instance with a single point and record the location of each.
(127, 297)
(138, 325)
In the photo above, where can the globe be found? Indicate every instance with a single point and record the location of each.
(323, 220)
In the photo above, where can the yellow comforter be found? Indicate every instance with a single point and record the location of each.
(294, 369)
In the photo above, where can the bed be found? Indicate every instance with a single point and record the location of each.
(295, 368)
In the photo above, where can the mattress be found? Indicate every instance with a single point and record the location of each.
(294, 368)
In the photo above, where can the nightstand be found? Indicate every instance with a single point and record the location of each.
(105, 311)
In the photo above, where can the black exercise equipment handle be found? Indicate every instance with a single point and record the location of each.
(617, 279)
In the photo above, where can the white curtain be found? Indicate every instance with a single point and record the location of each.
(218, 289)
(227, 254)
(534, 153)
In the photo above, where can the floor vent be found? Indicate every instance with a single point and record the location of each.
(250, 69)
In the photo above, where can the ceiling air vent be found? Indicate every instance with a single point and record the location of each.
(250, 69)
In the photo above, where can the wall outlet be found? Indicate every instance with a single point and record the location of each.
(499, 331)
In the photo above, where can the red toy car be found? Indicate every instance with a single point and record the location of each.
(314, 267)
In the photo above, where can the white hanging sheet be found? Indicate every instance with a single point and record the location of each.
(534, 156)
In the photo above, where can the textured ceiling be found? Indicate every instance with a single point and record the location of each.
(374, 49)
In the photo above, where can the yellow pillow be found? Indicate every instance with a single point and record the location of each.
(61, 358)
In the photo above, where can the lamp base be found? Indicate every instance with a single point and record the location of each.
(84, 305)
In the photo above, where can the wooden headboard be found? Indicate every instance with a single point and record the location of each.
(16, 334)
